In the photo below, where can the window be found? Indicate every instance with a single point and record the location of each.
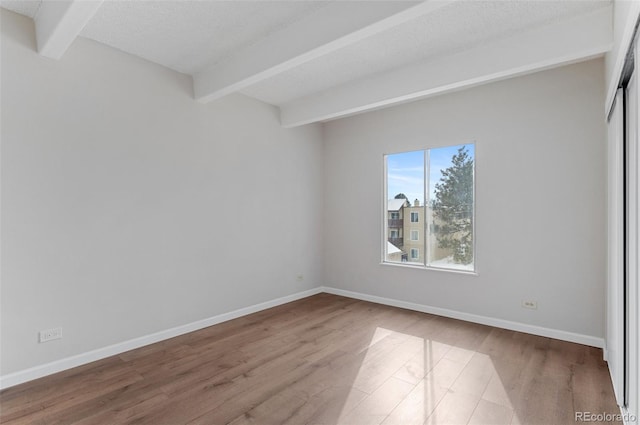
(393, 234)
(395, 215)
(438, 186)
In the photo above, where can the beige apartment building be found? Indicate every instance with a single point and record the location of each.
(414, 231)
(406, 229)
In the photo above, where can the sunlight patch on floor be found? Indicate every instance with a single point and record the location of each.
(412, 380)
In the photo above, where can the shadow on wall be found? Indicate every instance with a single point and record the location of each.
(18, 29)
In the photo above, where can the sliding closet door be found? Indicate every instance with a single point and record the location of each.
(631, 268)
(615, 292)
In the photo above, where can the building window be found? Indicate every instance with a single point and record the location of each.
(395, 215)
(394, 234)
(439, 185)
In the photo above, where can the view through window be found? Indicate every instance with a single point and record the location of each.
(431, 193)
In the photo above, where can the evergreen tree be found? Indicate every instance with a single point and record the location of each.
(401, 196)
(453, 207)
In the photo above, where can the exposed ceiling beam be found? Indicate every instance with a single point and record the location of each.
(565, 42)
(58, 23)
(325, 31)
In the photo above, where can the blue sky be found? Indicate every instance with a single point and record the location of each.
(405, 171)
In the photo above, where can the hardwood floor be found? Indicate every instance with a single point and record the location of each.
(327, 360)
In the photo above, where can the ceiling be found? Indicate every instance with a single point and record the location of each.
(320, 60)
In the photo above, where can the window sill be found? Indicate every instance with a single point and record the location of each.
(430, 268)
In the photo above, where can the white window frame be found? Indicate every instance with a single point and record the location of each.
(417, 233)
(417, 251)
(424, 266)
(417, 215)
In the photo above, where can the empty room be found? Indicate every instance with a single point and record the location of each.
(319, 212)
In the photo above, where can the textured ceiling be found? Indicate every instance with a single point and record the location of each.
(191, 36)
(24, 7)
(457, 27)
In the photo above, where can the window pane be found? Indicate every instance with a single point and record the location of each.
(450, 214)
(445, 219)
(405, 193)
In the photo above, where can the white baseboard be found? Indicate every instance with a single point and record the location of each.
(483, 320)
(36, 372)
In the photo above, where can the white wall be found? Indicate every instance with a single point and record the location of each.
(540, 199)
(128, 208)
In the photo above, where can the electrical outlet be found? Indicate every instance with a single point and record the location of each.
(300, 277)
(50, 334)
(531, 305)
